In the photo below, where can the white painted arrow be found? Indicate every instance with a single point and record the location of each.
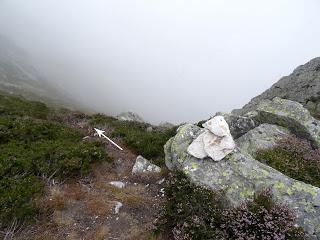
(101, 134)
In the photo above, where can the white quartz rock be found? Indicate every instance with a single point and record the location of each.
(196, 148)
(215, 142)
(218, 126)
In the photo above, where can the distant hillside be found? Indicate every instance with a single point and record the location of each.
(19, 77)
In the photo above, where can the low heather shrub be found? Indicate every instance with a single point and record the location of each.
(295, 158)
(137, 138)
(31, 148)
(193, 212)
(261, 218)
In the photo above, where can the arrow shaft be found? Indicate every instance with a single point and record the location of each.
(112, 141)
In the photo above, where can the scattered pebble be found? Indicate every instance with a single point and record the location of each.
(117, 184)
(161, 181)
(117, 207)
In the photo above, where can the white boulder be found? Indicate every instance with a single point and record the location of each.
(215, 142)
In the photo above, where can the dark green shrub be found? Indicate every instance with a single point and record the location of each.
(18, 197)
(295, 158)
(193, 213)
(190, 212)
(137, 138)
(31, 148)
(147, 144)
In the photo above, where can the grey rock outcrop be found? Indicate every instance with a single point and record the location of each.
(291, 115)
(302, 85)
(166, 125)
(142, 165)
(240, 175)
(238, 125)
(130, 116)
(262, 137)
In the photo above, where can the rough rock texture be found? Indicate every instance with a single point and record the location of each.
(215, 142)
(130, 116)
(241, 175)
(238, 125)
(262, 137)
(289, 114)
(196, 148)
(142, 165)
(303, 86)
(218, 126)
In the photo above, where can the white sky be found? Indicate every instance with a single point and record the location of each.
(168, 60)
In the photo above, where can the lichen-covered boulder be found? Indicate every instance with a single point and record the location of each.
(240, 175)
(142, 165)
(291, 115)
(262, 137)
(180, 143)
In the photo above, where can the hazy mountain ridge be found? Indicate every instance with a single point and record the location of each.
(19, 77)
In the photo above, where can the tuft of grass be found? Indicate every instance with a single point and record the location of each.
(295, 158)
(194, 213)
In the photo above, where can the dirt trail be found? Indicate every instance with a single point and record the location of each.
(86, 208)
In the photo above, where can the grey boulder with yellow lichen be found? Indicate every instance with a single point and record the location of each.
(240, 175)
(262, 137)
(289, 114)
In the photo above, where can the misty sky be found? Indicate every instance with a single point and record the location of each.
(168, 60)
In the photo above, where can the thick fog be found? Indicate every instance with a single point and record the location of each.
(168, 60)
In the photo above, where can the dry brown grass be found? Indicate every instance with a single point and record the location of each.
(74, 191)
(100, 233)
(97, 205)
(55, 200)
(130, 196)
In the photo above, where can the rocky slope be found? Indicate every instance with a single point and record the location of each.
(285, 109)
(19, 77)
(302, 85)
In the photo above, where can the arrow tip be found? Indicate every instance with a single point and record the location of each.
(99, 132)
